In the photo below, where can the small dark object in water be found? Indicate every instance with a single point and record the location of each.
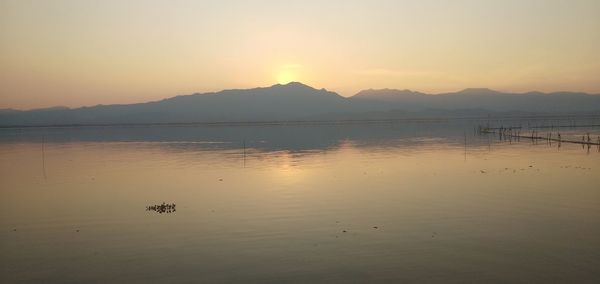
(343, 231)
(220, 179)
(482, 171)
(14, 230)
(77, 231)
(162, 208)
(375, 227)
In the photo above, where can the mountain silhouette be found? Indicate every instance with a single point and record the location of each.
(486, 99)
(298, 102)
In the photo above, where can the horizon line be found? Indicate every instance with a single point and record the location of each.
(302, 84)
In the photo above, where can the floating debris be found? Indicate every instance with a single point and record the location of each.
(162, 208)
(375, 227)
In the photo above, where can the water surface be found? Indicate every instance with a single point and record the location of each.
(406, 202)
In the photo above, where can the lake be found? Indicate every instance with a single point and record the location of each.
(414, 201)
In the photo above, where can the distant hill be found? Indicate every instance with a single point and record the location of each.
(296, 101)
(278, 102)
(486, 99)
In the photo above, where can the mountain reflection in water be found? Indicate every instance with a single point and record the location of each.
(393, 202)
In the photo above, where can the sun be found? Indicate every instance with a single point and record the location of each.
(285, 77)
(288, 73)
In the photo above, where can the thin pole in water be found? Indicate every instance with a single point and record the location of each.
(465, 146)
(44, 157)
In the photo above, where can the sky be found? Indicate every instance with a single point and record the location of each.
(75, 53)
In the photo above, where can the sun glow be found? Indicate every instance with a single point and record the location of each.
(288, 73)
(285, 168)
(285, 77)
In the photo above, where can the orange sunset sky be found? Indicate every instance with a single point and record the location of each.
(76, 53)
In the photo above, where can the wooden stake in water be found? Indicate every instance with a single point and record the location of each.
(465, 146)
(44, 158)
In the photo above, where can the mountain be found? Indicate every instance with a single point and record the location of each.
(388, 95)
(8, 111)
(481, 98)
(278, 102)
(296, 101)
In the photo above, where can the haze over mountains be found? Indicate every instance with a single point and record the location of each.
(298, 102)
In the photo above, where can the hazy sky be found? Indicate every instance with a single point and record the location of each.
(77, 53)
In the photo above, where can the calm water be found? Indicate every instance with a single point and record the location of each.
(315, 203)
